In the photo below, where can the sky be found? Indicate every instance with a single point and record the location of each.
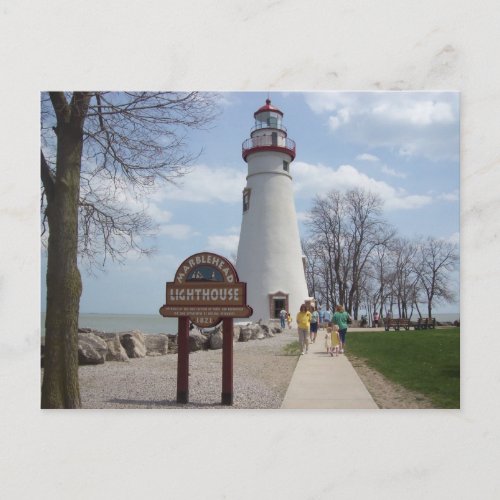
(404, 146)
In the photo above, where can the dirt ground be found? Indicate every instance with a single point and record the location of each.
(387, 394)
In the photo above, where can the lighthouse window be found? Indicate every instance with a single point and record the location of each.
(286, 165)
(246, 200)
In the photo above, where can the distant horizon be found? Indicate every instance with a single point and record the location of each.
(154, 314)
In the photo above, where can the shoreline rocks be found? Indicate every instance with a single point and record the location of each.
(92, 349)
(96, 347)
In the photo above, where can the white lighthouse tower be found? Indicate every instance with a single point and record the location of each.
(269, 256)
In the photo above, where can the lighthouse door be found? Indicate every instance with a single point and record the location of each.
(279, 304)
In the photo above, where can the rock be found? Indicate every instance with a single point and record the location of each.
(156, 345)
(197, 341)
(236, 333)
(133, 343)
(250, 332)
(172, 343)
(276, 329)
(258, 333)
(89, 330)
(91, 349)
(116, 352)
(216, 339)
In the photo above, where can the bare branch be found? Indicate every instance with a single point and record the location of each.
(47, 177)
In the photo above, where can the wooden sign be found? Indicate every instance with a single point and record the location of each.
(205, 291)
(206, 288)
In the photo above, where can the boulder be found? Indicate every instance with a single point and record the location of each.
(259, 334)
(250, 332)
(216, 339)
(116, 352)
(133, 343)
(236, 333)
(89, 330)
(156, 345)
(197, 341)
(91, 349)
(172, 343)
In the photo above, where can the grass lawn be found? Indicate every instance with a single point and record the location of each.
(427, 361)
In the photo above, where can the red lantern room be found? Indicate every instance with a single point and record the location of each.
(268, 133)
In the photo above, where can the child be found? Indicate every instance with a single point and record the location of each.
(289, 320)
(328, 339)
(333, 339)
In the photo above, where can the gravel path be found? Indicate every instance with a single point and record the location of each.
(261, 375)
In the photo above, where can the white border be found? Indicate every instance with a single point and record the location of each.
(227, 45)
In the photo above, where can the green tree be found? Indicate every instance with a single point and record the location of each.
(98, 148)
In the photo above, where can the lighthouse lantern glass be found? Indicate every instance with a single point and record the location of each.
(269, 119)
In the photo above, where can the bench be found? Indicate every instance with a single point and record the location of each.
(425, 323)
(396, 323)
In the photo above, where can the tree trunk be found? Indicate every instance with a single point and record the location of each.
(60, 387)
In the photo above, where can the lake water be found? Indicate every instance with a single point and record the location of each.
(150, 323)
(147, 323)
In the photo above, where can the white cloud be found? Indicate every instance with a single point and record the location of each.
(321, 102)
(367, 157)
(208, 184)
(334, 122)
(225, 244)
(411, 123)
(453, 196)
(390, 171)
(177, 231)
(415, 112)
(407, 202)
(321, 179)
(157, 214)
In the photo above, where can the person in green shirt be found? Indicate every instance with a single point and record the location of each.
(341, 318)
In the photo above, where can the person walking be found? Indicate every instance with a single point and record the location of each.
(341, 319)
(303, 325)
(314, 323)
(282, 318)
(327, 317)
(376, 317)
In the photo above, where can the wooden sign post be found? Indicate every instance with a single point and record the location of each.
(205, 290)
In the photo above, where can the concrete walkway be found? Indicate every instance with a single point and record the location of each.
(321, 381)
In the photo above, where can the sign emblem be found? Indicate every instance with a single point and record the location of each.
(206, 288)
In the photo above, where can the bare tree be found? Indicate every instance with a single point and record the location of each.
(326, 231)
(348, 228)
(405, 279)
(437, 259)
(366, 232)
(98, 149)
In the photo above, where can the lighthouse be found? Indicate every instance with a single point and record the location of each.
(269, 255)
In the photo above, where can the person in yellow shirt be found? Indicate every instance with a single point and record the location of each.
(303, 325)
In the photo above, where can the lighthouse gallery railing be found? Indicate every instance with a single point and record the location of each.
(268, 141)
